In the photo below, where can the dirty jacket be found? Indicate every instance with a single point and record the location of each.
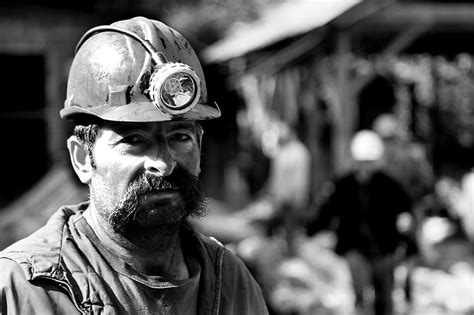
(53, 272)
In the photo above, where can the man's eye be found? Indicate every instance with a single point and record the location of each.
(132, 139)
(180, 137)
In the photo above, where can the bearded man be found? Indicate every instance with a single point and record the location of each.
(136, 94)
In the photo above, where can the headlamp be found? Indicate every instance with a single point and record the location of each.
(173, 87)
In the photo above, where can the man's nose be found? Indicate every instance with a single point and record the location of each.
(159, 161)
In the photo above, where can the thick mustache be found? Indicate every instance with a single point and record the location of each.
(178, 180)
(157, 183)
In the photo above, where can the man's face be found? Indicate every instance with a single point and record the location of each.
(146, 175)
(365, 169)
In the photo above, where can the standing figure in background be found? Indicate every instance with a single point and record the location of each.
(406, 161)
(288, 184)
(278, 207)
(363, 208)
(281, 204)
(136, 93)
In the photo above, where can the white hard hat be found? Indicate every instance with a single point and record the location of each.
(366, 145)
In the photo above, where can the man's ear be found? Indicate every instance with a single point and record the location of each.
(200, 133)
(80, 160)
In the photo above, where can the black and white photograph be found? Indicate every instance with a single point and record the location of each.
(246, 157)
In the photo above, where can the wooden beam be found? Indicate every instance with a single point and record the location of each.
(439, 13)
(359, 13)
(274, 61)
(406, 38)
(344, 109)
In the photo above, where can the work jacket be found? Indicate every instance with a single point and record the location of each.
(52, 273)
(364, 216)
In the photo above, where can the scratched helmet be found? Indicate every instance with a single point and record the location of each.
(136, 70)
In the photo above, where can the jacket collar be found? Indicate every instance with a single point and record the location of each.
(39, 254)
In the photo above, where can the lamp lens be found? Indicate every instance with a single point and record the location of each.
(178, 90)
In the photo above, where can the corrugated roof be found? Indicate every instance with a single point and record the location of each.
(277, 22)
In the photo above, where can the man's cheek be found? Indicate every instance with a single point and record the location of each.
(191, 163)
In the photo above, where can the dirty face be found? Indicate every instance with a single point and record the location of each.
(146, 175)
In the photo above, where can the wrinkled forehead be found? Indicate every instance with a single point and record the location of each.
(149, 127)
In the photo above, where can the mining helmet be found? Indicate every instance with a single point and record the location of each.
(136, 70)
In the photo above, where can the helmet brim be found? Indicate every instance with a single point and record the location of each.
(141, 112)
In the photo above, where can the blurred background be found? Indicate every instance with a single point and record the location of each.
(323, 69)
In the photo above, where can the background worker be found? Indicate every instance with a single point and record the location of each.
(363, 207)
(406, 161)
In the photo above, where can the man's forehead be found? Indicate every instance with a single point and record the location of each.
(121, 127)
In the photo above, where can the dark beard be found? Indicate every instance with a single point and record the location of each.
(125, 218)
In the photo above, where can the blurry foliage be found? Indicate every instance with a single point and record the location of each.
(440, 87)
(456, 99)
